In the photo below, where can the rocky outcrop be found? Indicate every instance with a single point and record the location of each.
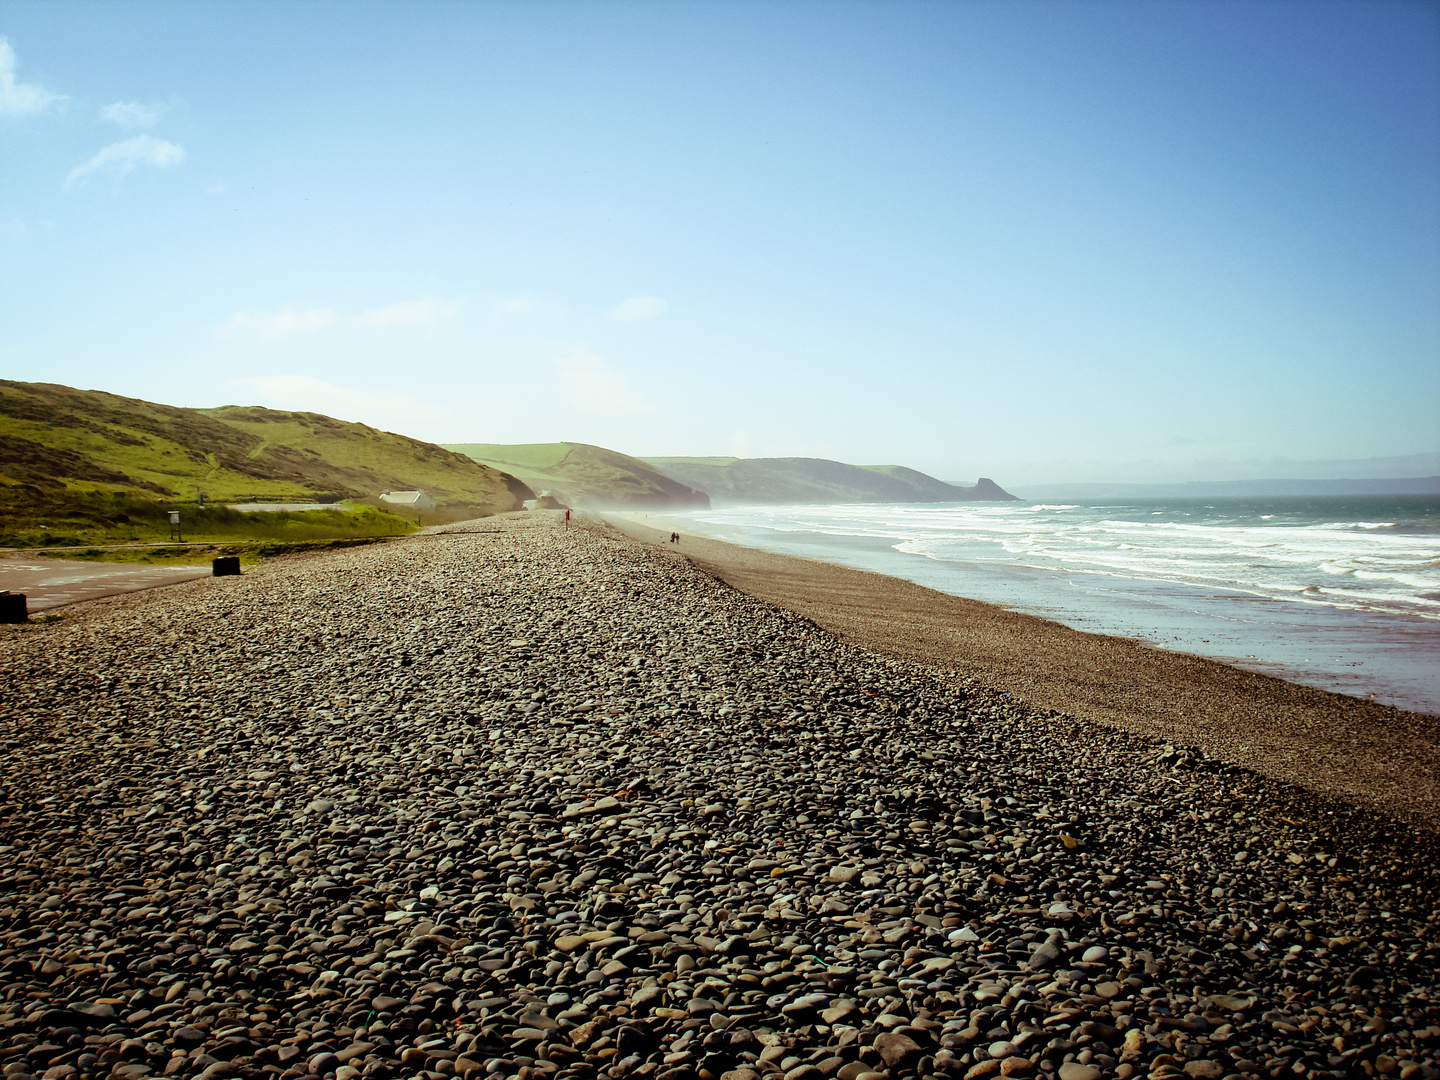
(986, 490)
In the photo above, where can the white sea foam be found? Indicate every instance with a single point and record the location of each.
(1299, 552)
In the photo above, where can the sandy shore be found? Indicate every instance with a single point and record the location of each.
(1368, 754)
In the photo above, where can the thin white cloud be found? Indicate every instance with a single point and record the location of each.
(409, 312)
(121, 157)
(518, 305)
(305, 393)
(637, 309)
(17, 98)
(592, 386)
(278, 324)
(132, 114)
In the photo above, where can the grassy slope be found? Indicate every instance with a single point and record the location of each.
(84, 461)
(585, 475)
(362, 461)
(719, 462)
(926, 486)
(985, 490)
(782, 480)
(540, 457)
(60, 437)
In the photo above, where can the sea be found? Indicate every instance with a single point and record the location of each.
(1341, 593)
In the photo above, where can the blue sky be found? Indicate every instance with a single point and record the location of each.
(1033, 241)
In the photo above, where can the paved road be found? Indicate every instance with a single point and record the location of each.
(267, 508)
(50, 583)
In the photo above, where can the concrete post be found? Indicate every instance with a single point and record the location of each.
(13, 607)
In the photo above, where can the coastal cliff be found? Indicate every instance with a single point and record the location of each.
(758, 481)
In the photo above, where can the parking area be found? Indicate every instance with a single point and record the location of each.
(52, 583)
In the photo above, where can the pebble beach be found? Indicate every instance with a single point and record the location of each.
(509, 799)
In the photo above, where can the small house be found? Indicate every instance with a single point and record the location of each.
(410, 500)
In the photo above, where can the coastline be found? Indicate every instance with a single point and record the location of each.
(1382, 654)
(1365, 753)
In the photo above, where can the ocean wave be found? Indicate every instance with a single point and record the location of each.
(1344, 563)
(1201, 544)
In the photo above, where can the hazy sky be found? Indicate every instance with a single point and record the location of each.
(1034, 241)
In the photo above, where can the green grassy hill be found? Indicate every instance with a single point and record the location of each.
(749, 481)
(67, 451)
(583, 475)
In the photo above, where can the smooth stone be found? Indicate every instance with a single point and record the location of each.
(896, 1049)
(1043, 957)
(1232, 1002)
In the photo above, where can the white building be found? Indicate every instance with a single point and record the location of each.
(410, 500)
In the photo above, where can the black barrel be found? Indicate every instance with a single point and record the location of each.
(13, 608)
(225, 566)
